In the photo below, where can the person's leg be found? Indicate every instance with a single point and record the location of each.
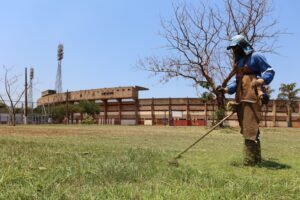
(258, 149)
(250, 152)
(239, 113)
(251, 133)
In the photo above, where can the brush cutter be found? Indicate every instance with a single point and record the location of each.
(174, 161)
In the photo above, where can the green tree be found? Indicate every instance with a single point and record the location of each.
(3, 108)
(288, 92)
(207, 96)
(89, 107)
(58, 113)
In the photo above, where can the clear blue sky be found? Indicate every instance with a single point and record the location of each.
(104, 39)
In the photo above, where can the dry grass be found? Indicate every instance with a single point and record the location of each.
(130, 162)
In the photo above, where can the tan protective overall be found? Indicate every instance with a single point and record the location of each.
(249, 109)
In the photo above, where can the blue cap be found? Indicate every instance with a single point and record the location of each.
(240, 40)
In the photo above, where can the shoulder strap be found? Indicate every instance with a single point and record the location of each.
(234, 70)
(230, 75)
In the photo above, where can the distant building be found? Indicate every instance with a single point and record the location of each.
(122, 105)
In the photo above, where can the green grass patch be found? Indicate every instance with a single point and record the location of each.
(130, 162)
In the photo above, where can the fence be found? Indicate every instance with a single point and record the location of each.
(165, 111)
(187, 112)
(31, 119)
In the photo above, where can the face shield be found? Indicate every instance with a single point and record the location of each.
(241, 42)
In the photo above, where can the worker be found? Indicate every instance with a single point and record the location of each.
(253, 72)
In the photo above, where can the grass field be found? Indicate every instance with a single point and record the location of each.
(130, 162)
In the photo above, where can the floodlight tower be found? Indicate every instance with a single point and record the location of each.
(60, 55)
(30, 91)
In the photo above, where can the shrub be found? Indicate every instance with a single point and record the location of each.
(88, 120)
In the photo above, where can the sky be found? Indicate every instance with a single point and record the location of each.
(103, 40)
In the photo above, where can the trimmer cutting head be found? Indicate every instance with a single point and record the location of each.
(173, 162)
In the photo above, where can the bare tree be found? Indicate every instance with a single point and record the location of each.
(12, 95)
(197, 37)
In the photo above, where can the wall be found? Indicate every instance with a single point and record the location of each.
(189, 111)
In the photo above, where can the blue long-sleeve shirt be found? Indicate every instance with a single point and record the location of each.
(259, 66)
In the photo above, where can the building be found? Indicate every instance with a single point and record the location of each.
(122, 105)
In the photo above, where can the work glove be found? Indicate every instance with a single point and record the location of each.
(258, 82)
(222, 89)
(232, 106)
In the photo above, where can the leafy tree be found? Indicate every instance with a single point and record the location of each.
(88, 120)
(207, 96)
(58, 113)
(288, 92)
(3, 107)
(75, 108)
(89, 107)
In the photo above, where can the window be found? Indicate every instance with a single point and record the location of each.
(107, 93)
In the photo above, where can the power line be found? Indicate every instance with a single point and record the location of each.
(6, 100)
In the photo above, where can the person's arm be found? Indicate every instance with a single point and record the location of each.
(267, 72)
(231, 88)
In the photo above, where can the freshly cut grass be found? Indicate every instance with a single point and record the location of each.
(130, 162)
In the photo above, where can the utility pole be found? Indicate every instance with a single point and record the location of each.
(67, 106)
(26, 103)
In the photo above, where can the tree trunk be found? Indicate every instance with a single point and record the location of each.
(221, 107)
(14, 118)
(72, 117)
(289, 115)
(10, 119)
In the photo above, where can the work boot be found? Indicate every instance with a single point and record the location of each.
(257, 152)
(258, 149)
(252, 153)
